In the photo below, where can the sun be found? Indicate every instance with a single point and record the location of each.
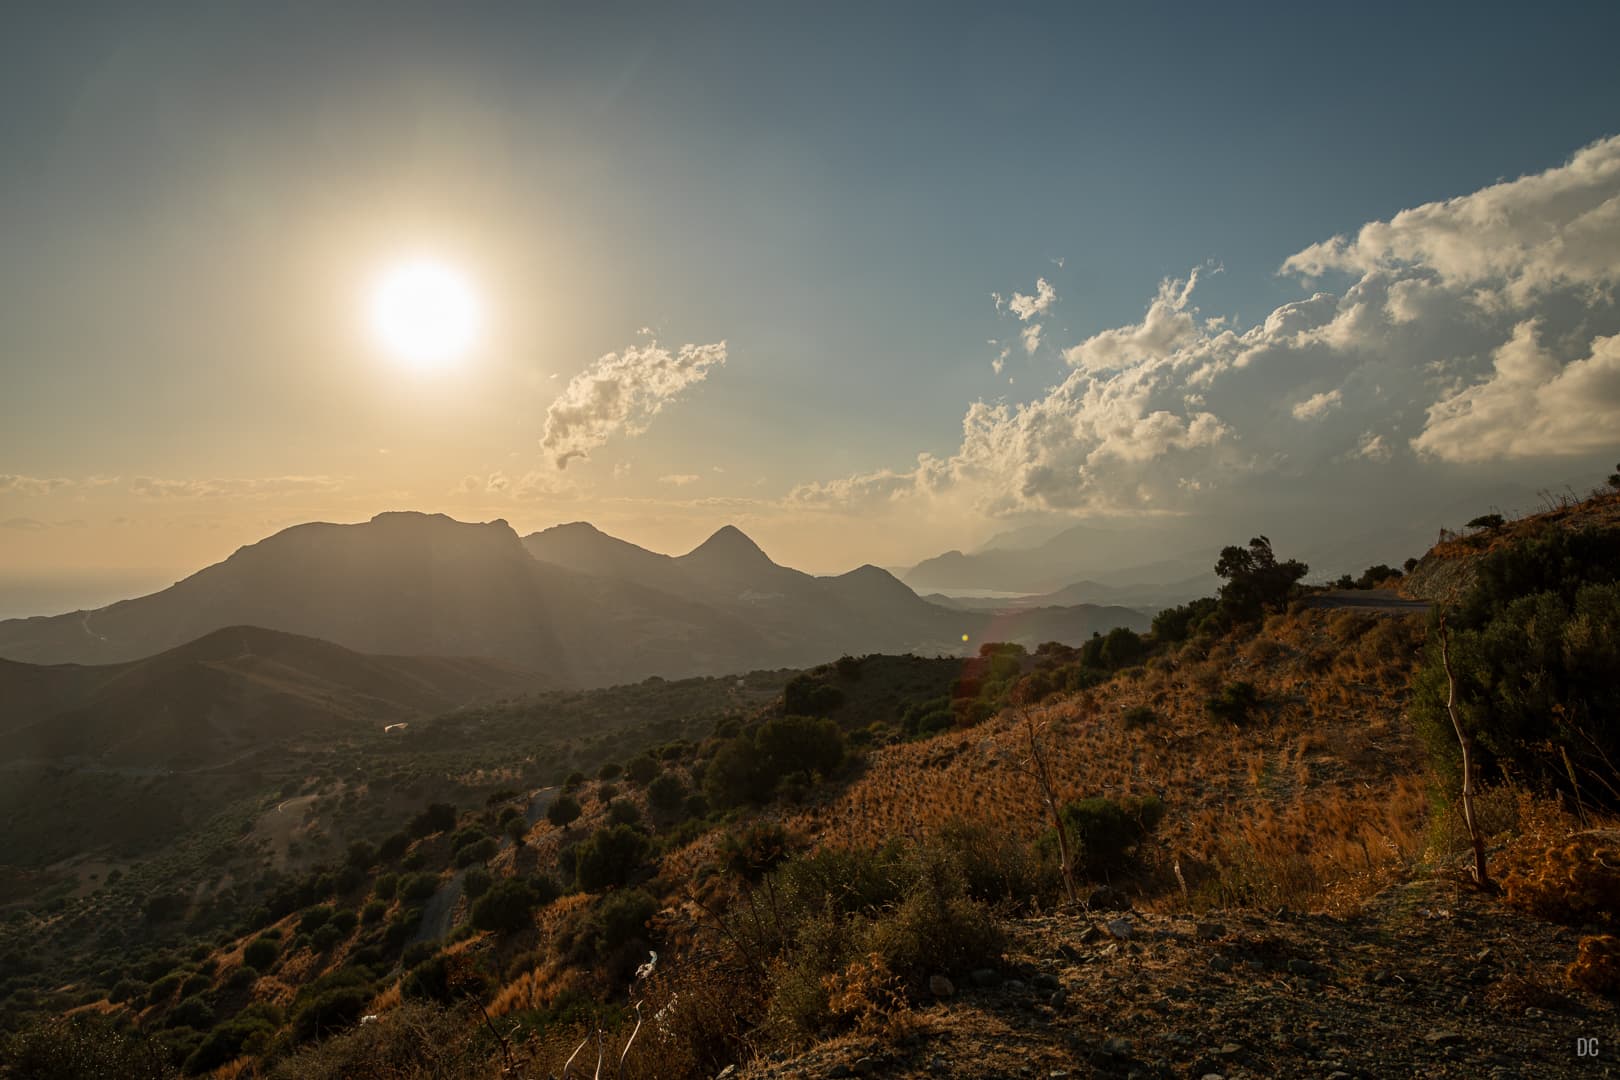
(425, 313)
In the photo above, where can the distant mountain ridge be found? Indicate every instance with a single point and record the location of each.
(570, 604)
(238, 688)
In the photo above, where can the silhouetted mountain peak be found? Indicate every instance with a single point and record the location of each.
(728, 544)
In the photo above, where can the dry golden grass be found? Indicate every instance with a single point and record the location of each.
(1316, 802)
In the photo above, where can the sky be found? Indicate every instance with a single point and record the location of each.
(870, 281)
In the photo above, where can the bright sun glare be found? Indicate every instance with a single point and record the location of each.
(425, 313)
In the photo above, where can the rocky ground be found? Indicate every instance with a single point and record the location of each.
(1430, 979)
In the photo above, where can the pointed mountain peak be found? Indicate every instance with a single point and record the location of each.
(729, 544)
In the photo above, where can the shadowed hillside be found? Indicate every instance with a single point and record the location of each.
(234, 689)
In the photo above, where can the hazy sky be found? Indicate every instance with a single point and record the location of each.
(748, 262)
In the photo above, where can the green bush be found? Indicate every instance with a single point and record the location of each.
(623, 812)
(621, 919)
(506, 908)
(611, 857)
(415, 888)
(193, 1012)
(437, 818)
(666, 794)
(383, 888)
(476, 881)
(641, 769)
(315, 918)
(374, 911)
(1107, 834)
(1536, 687)
(477, 852)
(1234, 704)
(563, 811)
(261, 952)
(329, 1011)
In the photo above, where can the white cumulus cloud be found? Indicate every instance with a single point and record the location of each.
(622, 392)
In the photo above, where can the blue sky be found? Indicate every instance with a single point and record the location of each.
(194, 197)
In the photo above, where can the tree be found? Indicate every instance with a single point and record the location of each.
(564, 811)
(666, 795)
(1255, 580)
(641, 769)
(609, 858)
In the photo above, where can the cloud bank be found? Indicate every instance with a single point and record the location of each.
(622, 392)
(1478, 330)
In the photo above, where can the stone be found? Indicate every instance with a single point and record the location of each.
(1445, 1037)
(1117, 1047)
(1058, 999)
(941, 987)
(1297, 966)
(1229, 1050)
(986, 977)
(839, 1071)
(1046, 981)
(1121, 928)
(1220, 963)
(1015, 986)
(1209, 931)
(865, 1066)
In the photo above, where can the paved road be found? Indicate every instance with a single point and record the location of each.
(1386, 601)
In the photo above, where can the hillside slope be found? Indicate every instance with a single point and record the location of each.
(231, 690)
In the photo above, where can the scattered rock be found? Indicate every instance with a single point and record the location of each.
(986, 977)
(941, 987)
(839, 1071)
(866, 1066)
(1445, 1038)
(1090, 934)
(1047, 982)
(1058, 999)
(1209, 931)
(1013, 986)
(1122, 929)
(1220, 963)
(1297, 966)
(1117, 1047)
(1229, 1050)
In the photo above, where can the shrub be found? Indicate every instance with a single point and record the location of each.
(437, 818)
(666, 794)
(641, 769)
(610, 857)
(1533, 651)
(1107, 834)
(229, 1041)
(445, 978)
(418, 887)
(383, 888)
(1139, 716)
(477, 852)
(193, 1011)
(563, 811)
(1487, 521)
(261, 953)
(507, 907)
(476, 881)
(608, 771)
(328, 1011)
(622, 919)
(805, 695)
(315, 918)
(623, 812)
(1597, 963)
(1234, 704)
(393, 847)
(574, 780)
(373, 912)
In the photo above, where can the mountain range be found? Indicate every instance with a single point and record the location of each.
(231, 690)
(571, 605)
